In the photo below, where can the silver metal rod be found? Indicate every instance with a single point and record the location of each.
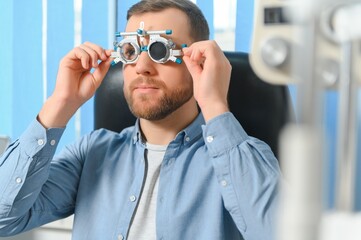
(347, 129)
(301, 146)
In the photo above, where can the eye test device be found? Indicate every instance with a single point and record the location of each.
(160, 49)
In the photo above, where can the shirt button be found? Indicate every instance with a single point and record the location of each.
(210, 139)
(132, 198)
(52, 142)
(171, 161)
(40, 142)
(224, 183)
(188, 139)
(120, 237)
(18, 180)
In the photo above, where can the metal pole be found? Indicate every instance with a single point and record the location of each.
(347, 129)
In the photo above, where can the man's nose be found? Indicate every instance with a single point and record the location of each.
(145, 65)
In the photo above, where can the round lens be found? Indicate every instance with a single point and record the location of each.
(158, 51)
(128, 52)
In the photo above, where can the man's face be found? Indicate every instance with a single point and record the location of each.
(155, 90)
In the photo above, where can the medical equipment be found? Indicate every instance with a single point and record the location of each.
(276, 37)
(160, 49)
(316, 46)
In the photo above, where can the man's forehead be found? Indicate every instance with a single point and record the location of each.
(134, 25)
(166, 19)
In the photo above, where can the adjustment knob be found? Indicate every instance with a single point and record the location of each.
(275, 52)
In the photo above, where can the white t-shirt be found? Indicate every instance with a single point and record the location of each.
(144, 222)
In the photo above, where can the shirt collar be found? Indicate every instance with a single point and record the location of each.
(137, 135)
(194, 130)
(191, 132)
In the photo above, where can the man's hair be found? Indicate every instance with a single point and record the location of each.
(198, 26)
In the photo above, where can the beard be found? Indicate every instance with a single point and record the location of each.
(157, 107)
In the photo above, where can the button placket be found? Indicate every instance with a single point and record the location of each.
(224, 183)
(132, 198)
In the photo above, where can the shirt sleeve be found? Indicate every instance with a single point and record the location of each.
(24, 169)
(248, 174)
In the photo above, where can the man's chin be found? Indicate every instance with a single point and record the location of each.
(148, 112)
(151, 116)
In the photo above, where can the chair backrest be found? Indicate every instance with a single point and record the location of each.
(261, 108)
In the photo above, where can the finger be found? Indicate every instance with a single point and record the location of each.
(101, 71)
(195, 54)
(193, 67)
(94, 57)
(98, 49)
(108, 52)
(80, 54)
(187, 51)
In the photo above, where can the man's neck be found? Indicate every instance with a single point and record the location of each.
(162, 132)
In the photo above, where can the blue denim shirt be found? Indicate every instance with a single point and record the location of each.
(216, 182)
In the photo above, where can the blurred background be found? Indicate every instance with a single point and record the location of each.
(36, 34)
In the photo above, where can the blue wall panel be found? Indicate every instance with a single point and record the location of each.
(123, 6)
(330, 120)
(27, 65)
(244, 25)
(6, 63)
(60, 36)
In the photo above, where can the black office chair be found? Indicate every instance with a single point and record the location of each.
(262, 109)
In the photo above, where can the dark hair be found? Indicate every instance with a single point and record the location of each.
(198, 25)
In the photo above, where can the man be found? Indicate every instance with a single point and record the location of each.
(177, 174)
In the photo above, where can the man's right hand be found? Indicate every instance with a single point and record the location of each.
(75, 83)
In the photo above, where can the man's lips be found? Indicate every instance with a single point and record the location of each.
(141, 84)
(145, 88)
